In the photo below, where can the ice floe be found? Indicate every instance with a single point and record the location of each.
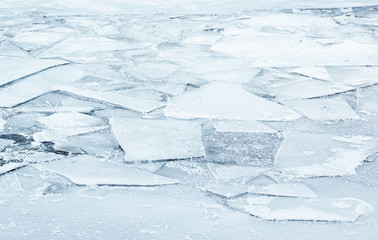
(226, 101)
(86, 170)
(149, 139)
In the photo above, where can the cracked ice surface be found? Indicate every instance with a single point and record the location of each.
(188, 119)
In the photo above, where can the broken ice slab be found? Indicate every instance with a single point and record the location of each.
(129, 102)
(4, 143)
(14, 68)
(323, 109)
(85, 48)
(2, 124)
(201, 38)
(86, 170)
(8, 167)
(146, 140)
(241, 75)
(344, 78)
(312, 155)
(38, 84)
(346, 53)
(367, 100)
(211, 64)
(230, 173)
(151, 71)
(245, 146)
(226, 190)
(28, 39)
(320, 73)
(65, 124)
(242, 126)
(67, 120)
(97, 143)
(7, 49)
(307, 209)
(221, 100)
(57, 109)
(354, 76)
(283, 190)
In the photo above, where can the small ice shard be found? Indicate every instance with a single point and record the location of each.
(307, 209)
(226, 190)
(311, 155)
(323, 109)
(230, 101)
(65, 124)
(38, 84)
(243, 126)
(11, 70)
(145, 139)
(4, 143)
(129, 102)
(283, 190)
(320, 73)
(86, 170)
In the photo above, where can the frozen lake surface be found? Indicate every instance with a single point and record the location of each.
(188, 119)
